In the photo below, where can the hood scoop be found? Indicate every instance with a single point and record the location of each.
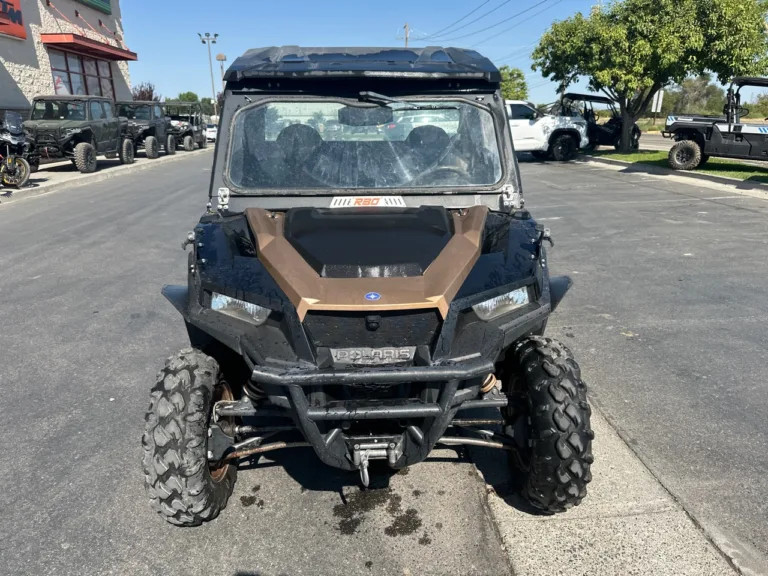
(376, 243)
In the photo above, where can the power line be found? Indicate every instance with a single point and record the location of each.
(497, 23)
(518, 24)
(516, 52)
(457, 21)
(479, 17)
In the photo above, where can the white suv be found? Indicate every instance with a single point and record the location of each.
(546, 135)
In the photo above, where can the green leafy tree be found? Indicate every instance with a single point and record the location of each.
(207, 105)
(694, 95)
(632, 48)
(188, 97)
(513, 85)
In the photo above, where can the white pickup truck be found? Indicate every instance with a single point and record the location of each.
(546, 135)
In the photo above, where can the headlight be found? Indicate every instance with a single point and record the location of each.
(239, 309)
(504, 304)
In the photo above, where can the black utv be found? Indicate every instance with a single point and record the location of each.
(607, 133)
(187, 126)
(147, 127)
(78, 128)
(698, 137)
(365, 294)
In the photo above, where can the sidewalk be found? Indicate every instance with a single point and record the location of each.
(59, 175)
(628, 524)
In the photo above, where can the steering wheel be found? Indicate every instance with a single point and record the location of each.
(446, 170)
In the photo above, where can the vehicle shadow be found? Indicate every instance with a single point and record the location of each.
(305, 468)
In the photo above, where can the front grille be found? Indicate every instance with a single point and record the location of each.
(398, 328)
(47, 136)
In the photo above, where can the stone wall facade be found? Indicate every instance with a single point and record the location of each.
(25, 66)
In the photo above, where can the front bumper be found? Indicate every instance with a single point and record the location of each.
(410, 406)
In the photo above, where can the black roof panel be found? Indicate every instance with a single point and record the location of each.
(68, 97)
(574, 96)
(429, 62)
(750, 81)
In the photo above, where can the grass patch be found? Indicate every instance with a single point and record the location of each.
(715, 166)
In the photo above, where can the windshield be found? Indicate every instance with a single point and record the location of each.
(13, 122)
(332, 144)
(58, 110)
(135, 112)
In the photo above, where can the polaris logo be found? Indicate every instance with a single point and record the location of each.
(372, 356)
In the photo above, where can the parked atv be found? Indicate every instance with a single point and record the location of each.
(78, 128)
(147, 127)
(359, 293)
(187, 125)
(700, 137)
(14, 166)
(607, 133)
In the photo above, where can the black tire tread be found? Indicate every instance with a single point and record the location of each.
(175, 463)
(555, 148)
(81, 153)
(170, 144)
(127, 154)
(694, 163)
(189, 143)
(560, 433)
(151, 147)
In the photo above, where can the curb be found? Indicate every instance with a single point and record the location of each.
(659, 171)
(630, 522)
(93, 178)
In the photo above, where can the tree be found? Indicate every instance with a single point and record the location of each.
(207, 105)
(694, 95)
(145, 92)
(632, 48)
(513, 85)
(220, 101)
(188, 97)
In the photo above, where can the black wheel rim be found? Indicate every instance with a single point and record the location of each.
(683, 155)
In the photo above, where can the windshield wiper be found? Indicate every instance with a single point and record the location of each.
(377, 98)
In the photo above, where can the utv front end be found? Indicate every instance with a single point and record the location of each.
(368, 297)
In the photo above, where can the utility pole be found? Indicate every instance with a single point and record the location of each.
(208, 39)
(407, 33)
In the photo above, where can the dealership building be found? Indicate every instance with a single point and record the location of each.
(61, 47)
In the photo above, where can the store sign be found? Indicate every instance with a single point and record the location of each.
(11, 20)
(100, 5)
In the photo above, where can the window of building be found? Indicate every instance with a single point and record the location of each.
(80, 75)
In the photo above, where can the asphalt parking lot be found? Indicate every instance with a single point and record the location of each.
(667, 318)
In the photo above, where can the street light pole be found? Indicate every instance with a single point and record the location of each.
(208, 39)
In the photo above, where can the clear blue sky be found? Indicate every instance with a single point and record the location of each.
(172, 57)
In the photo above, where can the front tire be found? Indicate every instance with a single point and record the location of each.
(189, 143)
(152, 147)
(564, 148)
(183, 488)
(170, 145)
(685, 155)
(21, 175)
(85, 157)
(549, 417)
(126, 152)
(204, 143)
